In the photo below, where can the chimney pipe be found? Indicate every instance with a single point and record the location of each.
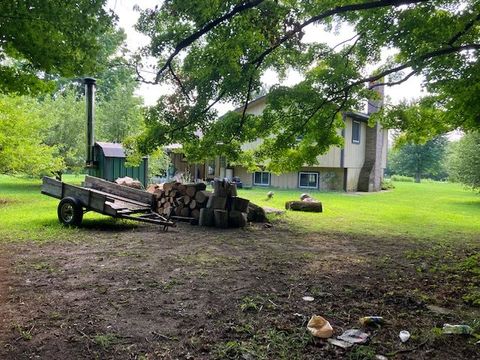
(90, 102)
(377, 104)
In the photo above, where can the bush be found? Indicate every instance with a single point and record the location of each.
(387, 184)
(402, 178)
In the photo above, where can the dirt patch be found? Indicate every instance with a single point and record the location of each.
(198, 293)
(4, 202)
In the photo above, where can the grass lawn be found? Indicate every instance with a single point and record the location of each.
(410, 255)
(25, 214)
(425, 211)
(429, 211)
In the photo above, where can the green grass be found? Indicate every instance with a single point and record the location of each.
(440, 211)
(25, 214)
(433, 210)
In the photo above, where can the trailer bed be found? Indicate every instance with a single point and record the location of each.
(107, 198)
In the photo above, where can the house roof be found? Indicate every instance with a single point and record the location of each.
(357, 116)
(352, 114)
(111, 149)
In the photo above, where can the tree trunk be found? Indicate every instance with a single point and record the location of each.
(418, 177)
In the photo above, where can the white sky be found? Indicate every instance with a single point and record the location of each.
(127, 19)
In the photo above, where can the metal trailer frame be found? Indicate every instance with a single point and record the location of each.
(106, 198)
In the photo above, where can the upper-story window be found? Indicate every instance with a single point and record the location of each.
(261, 178)
(356, 132)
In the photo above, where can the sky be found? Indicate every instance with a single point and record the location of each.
(128, 17)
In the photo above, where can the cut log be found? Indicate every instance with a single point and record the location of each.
(202, 196)
(178, 210)
(182, 189)
(231, 189)
(193, 204)
(193, 188)
(240, 204)
(221, 218)
(237, 219)
(186, 199)
(185, 212)
(309, 206)
(151, 188)
(195, 213)
(216, 202)
(256, 213)
(206, 217)
(219, 188)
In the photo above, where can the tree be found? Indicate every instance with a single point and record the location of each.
(217, 51)
(64, 122)
(44, 39)
(464, 160)
(22, 150)
(419, 160)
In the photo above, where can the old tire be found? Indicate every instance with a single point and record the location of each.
(70, 212)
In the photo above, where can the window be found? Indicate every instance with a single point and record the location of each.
(261, 178)
(356, 132)
(308, 180)
(211, 168)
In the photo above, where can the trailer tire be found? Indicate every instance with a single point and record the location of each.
(70, 212)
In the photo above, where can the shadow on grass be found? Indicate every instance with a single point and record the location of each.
(109, 225)
(468, 204)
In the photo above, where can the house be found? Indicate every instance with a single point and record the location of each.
(357, 166)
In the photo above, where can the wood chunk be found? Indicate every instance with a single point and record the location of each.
(185, 212)
(195, 213)
(206, 217)
(240, 204)
(186, 199)
(181, 188)
(237, 218)
(309, 206)
(193, 204)
(221, 218)
(256, 213)
(216, 202)
(202, 196)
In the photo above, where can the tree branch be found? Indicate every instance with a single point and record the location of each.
(335, 11)
(465, 30)
(398, 82)
(204, 30)
(179, 82)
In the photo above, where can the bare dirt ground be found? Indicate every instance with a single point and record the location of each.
(196, 293)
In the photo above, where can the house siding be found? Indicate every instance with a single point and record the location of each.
(329, 178)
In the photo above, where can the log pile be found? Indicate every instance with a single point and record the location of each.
(192, 202)
(180, 201)
(224, 208)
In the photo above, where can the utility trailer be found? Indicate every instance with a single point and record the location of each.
(103, 197)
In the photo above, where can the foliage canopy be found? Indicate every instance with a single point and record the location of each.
(213, 51)
(42, 39)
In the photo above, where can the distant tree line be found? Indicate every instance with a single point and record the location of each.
(438, 159)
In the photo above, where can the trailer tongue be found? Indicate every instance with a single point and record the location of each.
(103, 197)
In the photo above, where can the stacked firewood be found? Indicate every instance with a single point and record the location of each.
(182, 201)
(224, 208)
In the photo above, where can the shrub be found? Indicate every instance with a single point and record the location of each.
(402, 178)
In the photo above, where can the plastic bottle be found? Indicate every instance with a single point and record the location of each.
(457, 329)
(371, 320)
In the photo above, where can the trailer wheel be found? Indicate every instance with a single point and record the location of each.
(70, 212)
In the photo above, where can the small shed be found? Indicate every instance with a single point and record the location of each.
(109, 163)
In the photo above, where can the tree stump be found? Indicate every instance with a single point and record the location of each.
(309, 206)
